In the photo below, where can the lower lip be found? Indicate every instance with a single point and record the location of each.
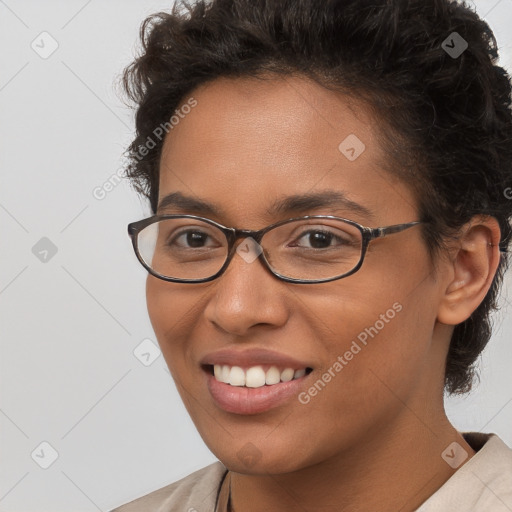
(243, 400)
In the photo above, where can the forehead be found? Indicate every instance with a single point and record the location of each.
(249, 141)
(293, 114)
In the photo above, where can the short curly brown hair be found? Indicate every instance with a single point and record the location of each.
(448, 118)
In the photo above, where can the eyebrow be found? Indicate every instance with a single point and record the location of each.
(298, 203)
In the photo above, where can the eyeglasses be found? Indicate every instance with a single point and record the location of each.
(311, 249)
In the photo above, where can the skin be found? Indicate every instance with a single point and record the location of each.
(380, 423)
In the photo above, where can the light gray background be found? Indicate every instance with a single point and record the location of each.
(70, 325)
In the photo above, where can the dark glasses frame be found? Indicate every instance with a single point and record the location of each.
(233, 234)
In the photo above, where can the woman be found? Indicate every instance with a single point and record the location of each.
(362, 150)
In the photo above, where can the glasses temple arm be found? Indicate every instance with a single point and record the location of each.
(389, 230)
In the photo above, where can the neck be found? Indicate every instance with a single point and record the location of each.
(396, 469)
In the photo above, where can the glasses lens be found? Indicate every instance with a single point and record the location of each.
(183, 248)
(314, 249)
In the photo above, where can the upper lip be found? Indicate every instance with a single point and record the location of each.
(252, 357)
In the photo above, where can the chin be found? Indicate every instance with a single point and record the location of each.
(260, 467)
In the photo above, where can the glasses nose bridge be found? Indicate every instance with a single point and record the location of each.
(246, 233)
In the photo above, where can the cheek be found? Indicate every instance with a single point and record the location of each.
(363, 386)
(158, 302)
(375, 344)
(171, 317)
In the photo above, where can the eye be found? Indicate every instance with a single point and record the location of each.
(191, 239)
(322, 239)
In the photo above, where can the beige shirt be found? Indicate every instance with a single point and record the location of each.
(483, 484)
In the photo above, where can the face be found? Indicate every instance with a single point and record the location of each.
(246, 144)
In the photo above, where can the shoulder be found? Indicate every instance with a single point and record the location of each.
(482, 484)
(196, 492)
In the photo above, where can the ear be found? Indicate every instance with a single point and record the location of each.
(474, 259)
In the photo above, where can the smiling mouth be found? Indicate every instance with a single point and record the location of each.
(254, 376)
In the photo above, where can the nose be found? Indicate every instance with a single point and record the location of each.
(247, 293)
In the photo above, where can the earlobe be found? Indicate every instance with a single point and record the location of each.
(471, 270)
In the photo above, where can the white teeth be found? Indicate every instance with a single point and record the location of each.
(217, 370)
(254, 377)
(287, 374)
(225, 374)
(273, 376)
(237, 376)
(299, 373)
